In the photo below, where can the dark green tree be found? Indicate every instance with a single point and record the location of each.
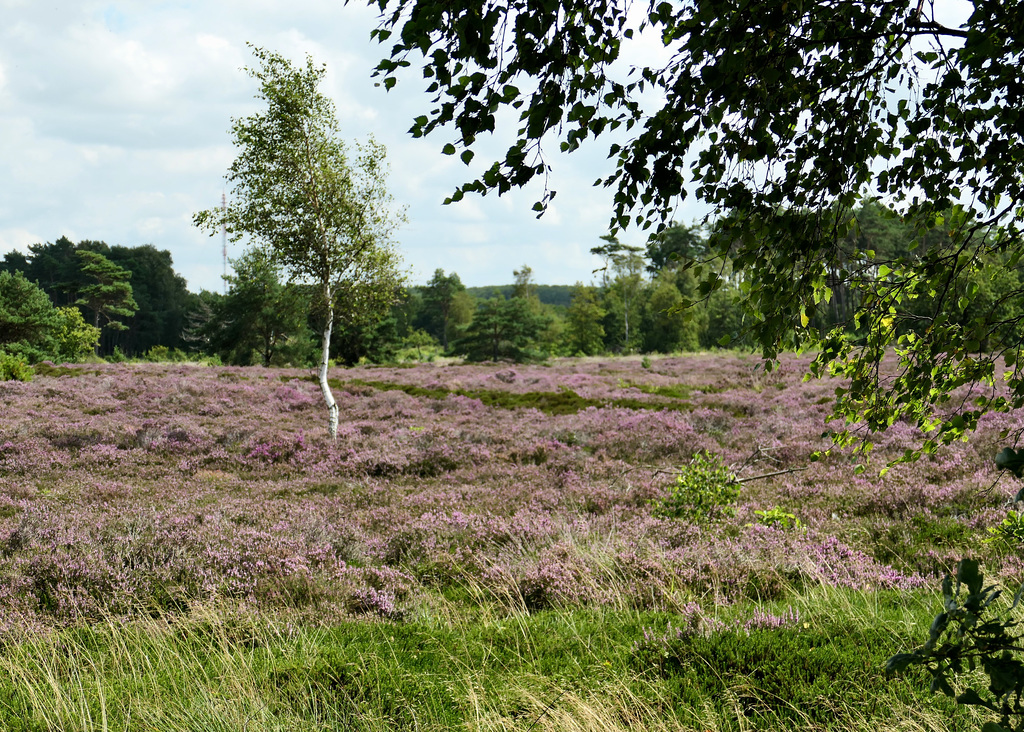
(27, 319)
(666, 326)
(440, 303)
(57, 269)
(33, 329)
(109, 292)
(161, 294)
(368, 321)
(674, 246)
(374, 338)
(260, 319)
(584, 333)
(197, 333)
(724, 320)
(14, 261)
(501, 330)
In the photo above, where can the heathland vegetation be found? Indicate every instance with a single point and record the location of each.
(490, 547)
(592, 543)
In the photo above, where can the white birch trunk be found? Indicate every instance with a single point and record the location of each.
(325, 359)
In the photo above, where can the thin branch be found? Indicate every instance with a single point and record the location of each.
(771, 475)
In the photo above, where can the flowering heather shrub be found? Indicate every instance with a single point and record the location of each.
(129, 488)
(762, 620)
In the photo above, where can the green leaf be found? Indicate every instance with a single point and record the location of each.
(939, 683)
(900, 663)
(970, 696)
(448, 149)
(1012, 460)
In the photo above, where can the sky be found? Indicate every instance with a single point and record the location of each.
(115, 118)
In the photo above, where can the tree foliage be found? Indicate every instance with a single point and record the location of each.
(674, 246)
(971, 634)
(783, 117)
(107, 292)
(260, 319)
(26, 318)
(74, 339)
(160, 293)
(441, 305)
(33, 329)
(321, 209)
(584, 332)
(501, 330)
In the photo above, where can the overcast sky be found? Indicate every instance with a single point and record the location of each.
(114, 121)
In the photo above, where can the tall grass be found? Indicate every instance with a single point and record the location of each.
(470, 661)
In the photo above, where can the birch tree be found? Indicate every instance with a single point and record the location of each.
(320, 207)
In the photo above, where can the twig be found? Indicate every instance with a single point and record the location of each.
(662, 471)
(770, 475)
(547, 709)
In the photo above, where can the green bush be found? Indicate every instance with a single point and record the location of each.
(974, 635)
(807, 676)
(705, 490)
(13, 368)
(778, 517)
(163, 354)
(1010, 531)
(75, 339)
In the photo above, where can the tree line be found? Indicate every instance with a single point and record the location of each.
(65, 301)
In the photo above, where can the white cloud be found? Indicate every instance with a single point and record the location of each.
(114, 126)
(17, 240)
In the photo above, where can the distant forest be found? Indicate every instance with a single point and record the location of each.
(558, 295)
(66, 300)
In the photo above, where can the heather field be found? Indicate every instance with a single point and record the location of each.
(485, 547)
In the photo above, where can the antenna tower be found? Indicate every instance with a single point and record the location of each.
(224, 235)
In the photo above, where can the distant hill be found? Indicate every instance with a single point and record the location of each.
(548, 294)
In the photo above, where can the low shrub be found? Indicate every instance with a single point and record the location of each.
(13, 368)
(1010, 531)
(705, 490)
(778, 517)
(776, 672)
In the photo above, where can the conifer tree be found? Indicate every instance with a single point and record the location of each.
(109, 295)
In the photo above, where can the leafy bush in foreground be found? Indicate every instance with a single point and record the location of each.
(971, 634)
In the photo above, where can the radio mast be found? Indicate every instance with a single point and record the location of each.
(224, 235)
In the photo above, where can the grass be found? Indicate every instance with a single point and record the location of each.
(478, 664)
(561, 402)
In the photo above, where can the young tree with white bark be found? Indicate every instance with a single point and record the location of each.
(322, 209)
